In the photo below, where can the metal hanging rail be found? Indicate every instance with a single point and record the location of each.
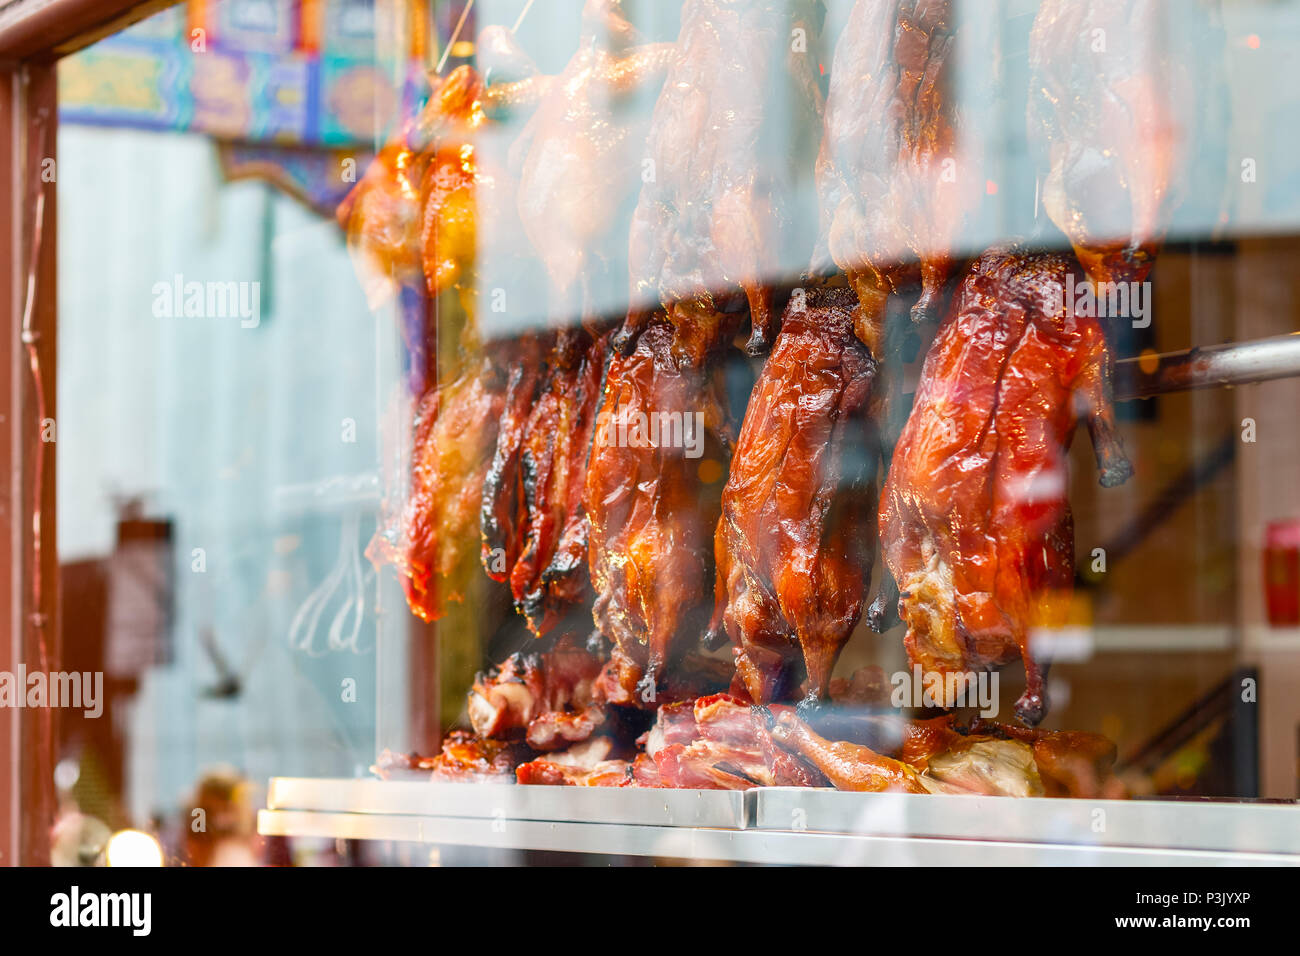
(1240, 363)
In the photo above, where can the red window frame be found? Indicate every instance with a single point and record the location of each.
(33, 35)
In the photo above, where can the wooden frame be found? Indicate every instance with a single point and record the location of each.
(33, 35)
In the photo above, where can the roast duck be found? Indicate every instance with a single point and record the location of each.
(765, 536)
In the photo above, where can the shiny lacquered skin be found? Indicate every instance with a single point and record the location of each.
(848, 766)
(549, 574)
(900, 173)
(974, 519)
(652, 514)
(796, 542)
(503, 514)
(434, 537)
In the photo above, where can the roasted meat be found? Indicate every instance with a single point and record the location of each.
(535, 527)
(712, 219)
(382, 214)
(716, 742)
(503, 516)
(547, 697)
(721, 753)
(899, 173)
(587, 764)
(935, 757)
(448, 194)
(581, 172)
(412, 218)
(1071, 763)
(384, 219)
(1113, 116)
(796, 540)
(435, 193)
(974, 518)
(420, 210)
(651, 512)
(847, 766)
(432, 537)
(467, 758)
(692, 675)
(547, 773)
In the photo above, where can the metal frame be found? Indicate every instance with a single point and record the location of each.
(1240, 363)
(33, 35)
(789, 825)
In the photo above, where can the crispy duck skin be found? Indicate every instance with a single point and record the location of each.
(1112, 112)
(381, 218)
(468, 758)
(710, 222)
(410, 219)
(550, 575)
(432, 195)
(584, 149)
(847, 766)
(534, 525)
(974, 518)
(548, 697)
(651, 514)
(448, 213)
(796, 541)
(991, 758)
(502, 517)
(898, 176)
(891, 173)
(437, 529)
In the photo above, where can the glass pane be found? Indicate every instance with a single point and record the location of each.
(695, 395)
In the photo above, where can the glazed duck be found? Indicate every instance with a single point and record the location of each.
(974, 519)
(796, 541)
(653, 508)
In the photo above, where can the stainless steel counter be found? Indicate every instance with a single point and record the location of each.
(790, 826)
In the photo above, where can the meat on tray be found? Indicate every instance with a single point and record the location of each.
(547, 698)
(591, 467)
